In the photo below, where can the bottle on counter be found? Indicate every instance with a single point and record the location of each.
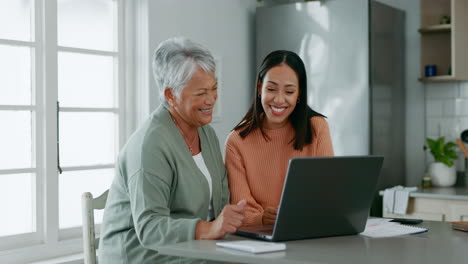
(426, 181)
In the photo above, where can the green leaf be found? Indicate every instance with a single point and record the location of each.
(431, 143)
(441, 151)
(450, 145)
(452, 154)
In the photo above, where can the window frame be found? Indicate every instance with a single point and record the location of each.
(48, 240)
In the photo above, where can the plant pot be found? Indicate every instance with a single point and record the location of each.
(442, 175)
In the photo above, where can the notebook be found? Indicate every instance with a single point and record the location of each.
(462, 226)
(252, 246)
(322, 197)
(384, 228)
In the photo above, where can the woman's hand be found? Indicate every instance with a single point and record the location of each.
(228, 221)
(269, 215)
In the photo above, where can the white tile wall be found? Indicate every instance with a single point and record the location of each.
(445, 90)
(450, 128)
(447, 113)
(464, 89)
(434, 108)
(464, 122)
(450, 107)
(433, 127)
(461, 107)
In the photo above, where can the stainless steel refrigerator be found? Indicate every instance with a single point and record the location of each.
(354, 56)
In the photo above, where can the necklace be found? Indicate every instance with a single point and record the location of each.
(187, 141)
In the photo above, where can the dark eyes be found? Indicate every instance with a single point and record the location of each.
(273, 90)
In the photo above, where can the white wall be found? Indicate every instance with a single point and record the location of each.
(226, 28)
(447, 113)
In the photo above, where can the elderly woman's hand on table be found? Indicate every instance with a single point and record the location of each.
(230, 219)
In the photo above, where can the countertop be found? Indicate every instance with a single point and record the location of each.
(452, 193)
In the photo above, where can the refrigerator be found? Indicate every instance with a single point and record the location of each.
(354, 56)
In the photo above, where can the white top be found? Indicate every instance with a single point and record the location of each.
(202, 166)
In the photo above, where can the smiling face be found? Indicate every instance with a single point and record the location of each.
(279, 93)
(194, 106)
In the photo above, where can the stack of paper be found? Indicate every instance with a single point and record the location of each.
(384, 228)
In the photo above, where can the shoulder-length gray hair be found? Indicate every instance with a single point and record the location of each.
(175, 61)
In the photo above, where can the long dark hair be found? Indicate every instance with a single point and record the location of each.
(300, 117)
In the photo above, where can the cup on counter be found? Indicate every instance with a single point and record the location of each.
(430, 70)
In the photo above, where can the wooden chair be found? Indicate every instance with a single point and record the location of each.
(90, 242)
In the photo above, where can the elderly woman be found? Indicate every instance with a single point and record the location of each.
(171, 183)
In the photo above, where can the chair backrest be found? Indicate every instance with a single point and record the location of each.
(90, 242)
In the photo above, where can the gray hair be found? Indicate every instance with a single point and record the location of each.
(175, 61)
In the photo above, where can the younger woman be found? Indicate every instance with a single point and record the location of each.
(278, 126)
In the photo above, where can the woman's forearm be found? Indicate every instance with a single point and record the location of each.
(202, 230)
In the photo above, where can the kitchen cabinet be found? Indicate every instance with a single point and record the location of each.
(444, 45)
(436, 204)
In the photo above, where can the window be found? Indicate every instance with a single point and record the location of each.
(61, 108)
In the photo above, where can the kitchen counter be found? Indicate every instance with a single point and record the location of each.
(437, 204)
(452, 193)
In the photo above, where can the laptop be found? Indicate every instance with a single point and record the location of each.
(322, 197)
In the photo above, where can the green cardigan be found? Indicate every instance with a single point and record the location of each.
(158, 194)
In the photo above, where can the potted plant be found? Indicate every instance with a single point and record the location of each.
(442, 171)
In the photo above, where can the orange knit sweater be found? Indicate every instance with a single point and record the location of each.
(257, 168)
